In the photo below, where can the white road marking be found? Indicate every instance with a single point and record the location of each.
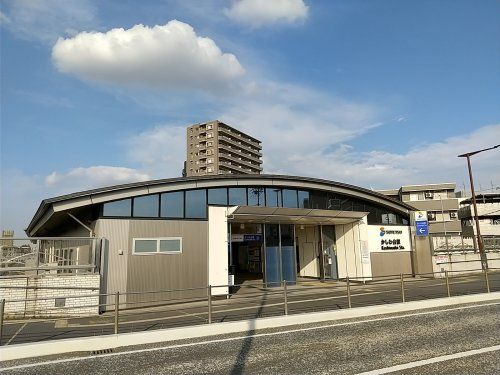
(405, 366)
(17, 332)
(146, 350)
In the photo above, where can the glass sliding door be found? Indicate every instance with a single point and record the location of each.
(272, 275)
(280, 254)
(287, 235)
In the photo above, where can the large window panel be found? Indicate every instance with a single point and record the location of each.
(146, 206)
(217, 196)
(290, 198)
(172, 204)
(196, 204)
(304, 199)
(256, 196)
(237, 196)
(273, 197)
(121, 208)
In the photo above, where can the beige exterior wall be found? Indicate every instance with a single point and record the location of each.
(126, 272)
(391, 263)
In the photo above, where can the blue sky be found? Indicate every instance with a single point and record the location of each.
(374, 93)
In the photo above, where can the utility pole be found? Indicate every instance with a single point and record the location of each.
(484, 259)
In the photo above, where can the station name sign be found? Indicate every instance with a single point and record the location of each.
(392, 240)
(388, 238)
(246, 238)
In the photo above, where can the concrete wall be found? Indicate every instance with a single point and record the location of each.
(458, 264)
(45, 289)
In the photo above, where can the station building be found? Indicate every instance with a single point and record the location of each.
(192, 232)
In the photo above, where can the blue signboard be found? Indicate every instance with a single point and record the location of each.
(422, 228)
(252, 237)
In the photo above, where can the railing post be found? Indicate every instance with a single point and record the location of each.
(209, 292)
(403, 299)
(2, 309)
(348, 285)
(487, 281)
(447, 283)
(285, 297)
(117, 309)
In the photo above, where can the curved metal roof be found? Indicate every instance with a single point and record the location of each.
(109, 193)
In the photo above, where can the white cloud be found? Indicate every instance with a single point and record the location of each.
(258, 13)
(78, 179)
(160, 150)
(427, 163)
(171, 56)
(47, 20)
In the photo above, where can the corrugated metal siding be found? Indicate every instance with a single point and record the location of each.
(168, 271)
(116, 233)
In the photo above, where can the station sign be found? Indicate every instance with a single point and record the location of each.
(422, 228)
(421, 223)
(246, 238)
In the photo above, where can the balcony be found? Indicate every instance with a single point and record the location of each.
(233, 143)
(239, 161)
(237, 137)
(236, 168)
(236, 150)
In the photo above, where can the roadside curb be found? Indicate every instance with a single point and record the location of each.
(88, 344)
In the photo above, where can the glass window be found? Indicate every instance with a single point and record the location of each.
(172, 204)
(303, 199)
(196, 204)
(145, 246)
(217, 196)
(171, 245)
(157, 245)
(334, 203)
(237, 196)
(289, 198)
(318, 200)
(273, 197)
(118, 208)
(146, 206)
(256, 196)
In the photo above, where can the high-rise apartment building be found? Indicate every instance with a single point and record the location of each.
(216, 148)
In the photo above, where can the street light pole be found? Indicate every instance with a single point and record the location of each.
(484, 259)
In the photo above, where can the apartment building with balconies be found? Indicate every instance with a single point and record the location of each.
(439, 200)
(216, 148)
(488, 213)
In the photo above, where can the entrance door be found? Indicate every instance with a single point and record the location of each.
(329, 252)
(279, 254)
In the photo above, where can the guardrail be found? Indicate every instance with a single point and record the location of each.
(252, 300)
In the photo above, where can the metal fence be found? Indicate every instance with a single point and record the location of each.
(244, 301)
(53, 255)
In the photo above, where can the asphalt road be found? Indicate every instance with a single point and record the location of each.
(252, 303)
(420, 343)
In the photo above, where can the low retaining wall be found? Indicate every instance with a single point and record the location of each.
(462, 263)
(51, 295)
